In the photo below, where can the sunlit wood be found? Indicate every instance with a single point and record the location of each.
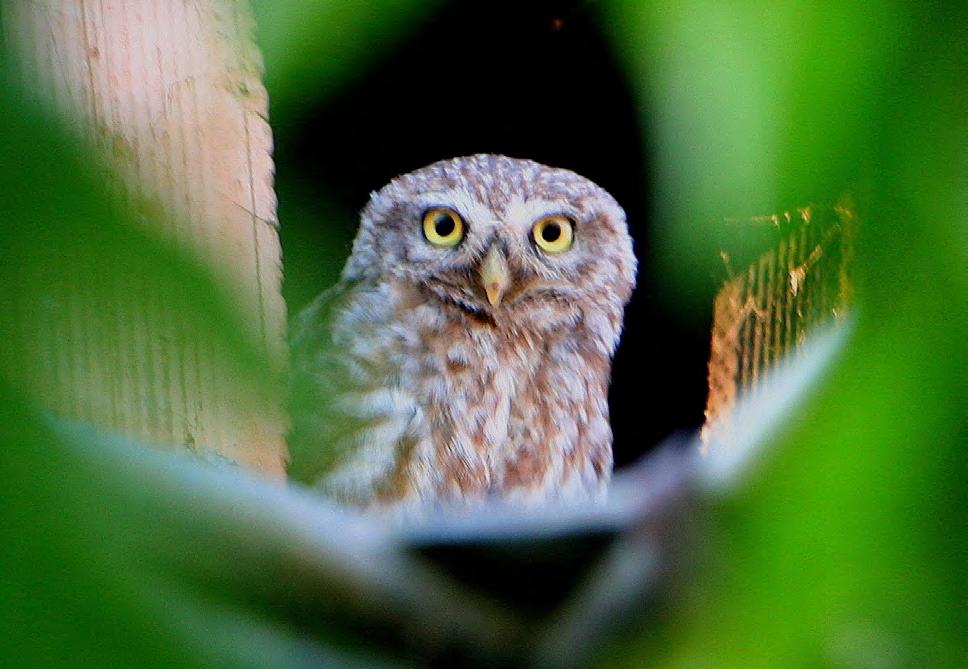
(170, 93)
(766, 311)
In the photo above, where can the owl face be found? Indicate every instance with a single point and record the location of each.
(498, 238)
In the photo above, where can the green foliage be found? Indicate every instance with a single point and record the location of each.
(310, 46)
(840, 548)
(118, 555)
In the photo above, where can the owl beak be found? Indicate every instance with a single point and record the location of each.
(495, 275)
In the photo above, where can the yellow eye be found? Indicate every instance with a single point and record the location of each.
(443, 227)
(553, 234)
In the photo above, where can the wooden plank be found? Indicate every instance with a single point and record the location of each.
(764, 314)
(171, 95)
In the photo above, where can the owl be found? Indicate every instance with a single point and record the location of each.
(464, 356)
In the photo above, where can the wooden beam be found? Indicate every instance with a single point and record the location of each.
(171, 95)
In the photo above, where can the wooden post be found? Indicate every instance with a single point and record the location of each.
(171, 95)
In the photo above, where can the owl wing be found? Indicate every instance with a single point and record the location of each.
(317, 378)
(352, 422)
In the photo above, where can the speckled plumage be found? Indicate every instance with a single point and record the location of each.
(411, 390)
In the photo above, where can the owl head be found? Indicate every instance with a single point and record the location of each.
(507, 241)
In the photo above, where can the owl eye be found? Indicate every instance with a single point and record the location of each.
(443, 227)
(553, 234)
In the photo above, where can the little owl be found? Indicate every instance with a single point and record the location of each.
(465, 354)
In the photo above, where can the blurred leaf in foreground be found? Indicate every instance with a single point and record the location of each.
(843, 549)
(119, 556)
(310, 46)
(753, 107)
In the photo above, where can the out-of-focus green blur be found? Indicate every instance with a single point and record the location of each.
(844, 547)
(311, 47)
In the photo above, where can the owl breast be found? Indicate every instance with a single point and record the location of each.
(448, 407)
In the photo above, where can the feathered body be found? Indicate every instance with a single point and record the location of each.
(418, 383)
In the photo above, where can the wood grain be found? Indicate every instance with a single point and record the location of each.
(764, 314)
(171, 95)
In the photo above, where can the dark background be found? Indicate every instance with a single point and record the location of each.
(526, 79)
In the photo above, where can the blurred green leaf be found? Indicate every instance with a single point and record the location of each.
(754, 108)
(311, 46)
(121, 556)
(318, 238)
(844, 550)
